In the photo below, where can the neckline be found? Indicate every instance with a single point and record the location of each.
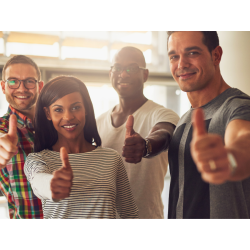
(217, 97)
(110, 118)
(94, 150)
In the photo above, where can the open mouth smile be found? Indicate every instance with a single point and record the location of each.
(69, 127)
(22, 97)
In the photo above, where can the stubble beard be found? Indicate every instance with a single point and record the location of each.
(29, 106)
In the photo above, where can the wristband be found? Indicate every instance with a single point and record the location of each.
(148, 147)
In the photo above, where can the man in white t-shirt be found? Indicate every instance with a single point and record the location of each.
(148, 132)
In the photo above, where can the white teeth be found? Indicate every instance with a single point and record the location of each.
(72, 126)
(22, 97)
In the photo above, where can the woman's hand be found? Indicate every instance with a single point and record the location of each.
(61, 183)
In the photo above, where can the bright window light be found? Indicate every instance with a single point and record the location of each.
(1, 46)
(85, 53)
(103, 98)
(157, 93)
(148, 55)
(140, 38)
(32, 49)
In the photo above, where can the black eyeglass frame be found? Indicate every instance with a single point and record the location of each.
(24, 83)
(125, 68)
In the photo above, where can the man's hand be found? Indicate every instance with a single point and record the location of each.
(208, 152)
(8, 143)
(61, 183)
(134, 145)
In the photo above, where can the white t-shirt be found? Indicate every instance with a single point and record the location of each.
(146, 177)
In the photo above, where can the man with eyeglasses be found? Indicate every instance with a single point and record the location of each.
(21, 85)
(140, 130)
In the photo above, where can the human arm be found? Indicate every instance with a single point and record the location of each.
(208, 148)
(61, 182)
(135, 147)
(46, 185)
(125, 203)
(8, 142)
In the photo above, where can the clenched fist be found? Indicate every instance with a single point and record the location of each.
(61, 182)
(8, 142)
(134, 145)
(209, 152)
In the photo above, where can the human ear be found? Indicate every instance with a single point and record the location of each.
(3, 86)
(47, 113)
(145, 74)
(40, 85)
(217, 54)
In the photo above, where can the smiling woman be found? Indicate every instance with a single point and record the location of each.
(53, 93)
(73, 175)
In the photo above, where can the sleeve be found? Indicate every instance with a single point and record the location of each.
(4, 124)
(125, 203)
(6, 190)
(239, 109)
(163, 114)
(4, 181)
(39, 176)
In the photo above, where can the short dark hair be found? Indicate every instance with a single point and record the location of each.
(210, 39)
(45, 133)
(21, 59)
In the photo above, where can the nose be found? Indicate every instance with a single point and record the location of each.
(124, 74)
(183, 62)
(68, 115)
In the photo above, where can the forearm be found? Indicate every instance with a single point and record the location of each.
(240, 149)
(159, 140)
(41, 186)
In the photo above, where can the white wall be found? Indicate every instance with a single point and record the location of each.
(235, 64)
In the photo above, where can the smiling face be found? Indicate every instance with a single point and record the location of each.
(191, 64)
(21, 99)
(129, 86)
(68, 116)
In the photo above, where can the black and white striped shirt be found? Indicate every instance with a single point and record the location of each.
(100, 185)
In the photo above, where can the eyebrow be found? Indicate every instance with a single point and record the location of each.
(70, 104)
(23, 79)
(186, 50)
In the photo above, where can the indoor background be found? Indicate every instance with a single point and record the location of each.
(88, 56)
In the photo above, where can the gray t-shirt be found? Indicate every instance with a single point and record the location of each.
(191, 197)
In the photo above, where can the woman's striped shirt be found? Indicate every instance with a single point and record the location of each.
(100, 185)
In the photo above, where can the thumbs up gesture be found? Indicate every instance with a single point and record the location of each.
(134, 145)
(208, 152)
(61, 182)
(8, 142)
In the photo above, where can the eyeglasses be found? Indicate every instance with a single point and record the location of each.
(29, 83)
(130, 69)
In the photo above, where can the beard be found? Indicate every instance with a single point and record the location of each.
(22, 105)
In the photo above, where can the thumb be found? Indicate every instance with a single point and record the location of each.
(65, 158)
(13, 129)
(198, 122)
(129, 126)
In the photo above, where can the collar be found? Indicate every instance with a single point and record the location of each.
(22, 120)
